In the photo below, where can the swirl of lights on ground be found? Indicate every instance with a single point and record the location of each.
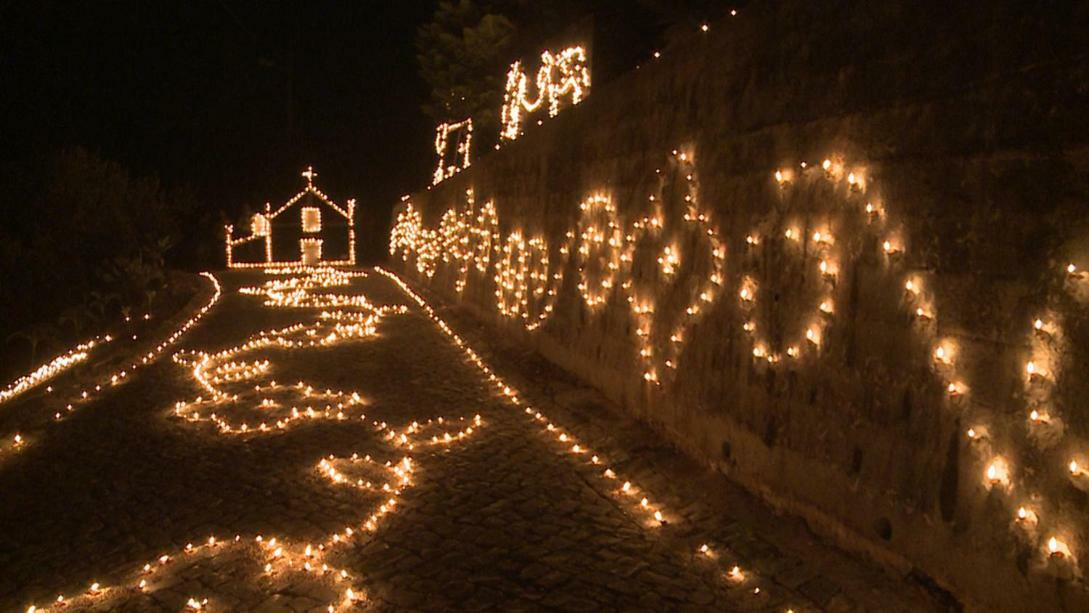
(240, 398)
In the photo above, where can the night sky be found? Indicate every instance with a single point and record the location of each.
(231, 99)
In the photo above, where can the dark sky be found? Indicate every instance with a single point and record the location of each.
(232, 98)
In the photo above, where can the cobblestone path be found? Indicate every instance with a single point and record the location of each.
(310, 450)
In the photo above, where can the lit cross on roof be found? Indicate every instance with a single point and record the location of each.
(309, 174)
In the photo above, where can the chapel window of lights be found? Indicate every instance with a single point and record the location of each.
(260, 225)
(311, 219)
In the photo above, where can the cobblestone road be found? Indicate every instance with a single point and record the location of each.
(502, 515)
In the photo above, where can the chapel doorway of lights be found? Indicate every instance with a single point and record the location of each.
(310, 250)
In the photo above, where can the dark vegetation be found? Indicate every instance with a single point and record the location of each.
(464, 51)
(83, 246)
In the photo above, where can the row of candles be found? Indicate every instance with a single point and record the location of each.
(86, 395)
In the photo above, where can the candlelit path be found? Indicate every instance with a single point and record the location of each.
(503, 519)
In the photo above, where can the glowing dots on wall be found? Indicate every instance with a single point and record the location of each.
(463, 134)
(510, 276)
(690, 262)
(526, 285)
(560, 76)
(410, 237)
(597, 256)
(814, 254)
(484, 236)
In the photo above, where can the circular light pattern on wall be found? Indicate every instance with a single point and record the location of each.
(597, 256)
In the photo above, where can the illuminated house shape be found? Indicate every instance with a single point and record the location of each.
(307, 230)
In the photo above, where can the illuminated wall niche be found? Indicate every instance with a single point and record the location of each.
(305, 242)
(562, 75)
(463, 139)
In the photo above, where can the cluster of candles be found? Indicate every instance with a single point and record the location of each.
(462, 158)
(598, 255)
(86, 395)
(261, 228)
(637, 500)
(1040, 377)
(525, 287)
(696, 228)
(816, 244)
(466, 237)
(277, 406)
(281, 564)
(296, 291)
(565, 74)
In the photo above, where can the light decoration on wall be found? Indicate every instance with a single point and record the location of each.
(484, 237)
(463, 131)
(597, 257)
(409, 237)
(467, 238)
(816, 243)
(813, 246)
(280, 564)
(565, 74)
(526, 285)
(309, 223)
(118, 377)
(527, 274)
(661, 329)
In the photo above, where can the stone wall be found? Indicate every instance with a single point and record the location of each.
(851, 342)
